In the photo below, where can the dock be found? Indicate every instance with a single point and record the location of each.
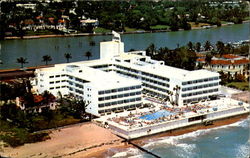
(143, 149)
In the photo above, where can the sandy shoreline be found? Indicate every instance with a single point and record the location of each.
(91, 141)
(67, 142)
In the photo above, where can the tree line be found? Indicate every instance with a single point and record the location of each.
(116, 15)
(185, 57)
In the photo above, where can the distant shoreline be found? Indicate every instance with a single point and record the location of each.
(109, 33)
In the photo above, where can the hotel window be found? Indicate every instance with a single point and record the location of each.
(101, 99)
(120, 102)
(132, 94)
(201, 80)
(57, 75)
(126, 88)
(107, 91)
(114, 97)
(52, 82)
(137, 87)
(211, 90)
(57, 81)
(204, 91)
(57, 87)
(51, 76)
(133, 87)
(100, 105)
(101, 92)
(101, 111)
(107, 98)
(120, 95)
(200, 86)
(138, 99)
(114, 103)
(107, 104)
(127, 101)
(51, 88)
(114, 90)
(126, 95)
(132, 100)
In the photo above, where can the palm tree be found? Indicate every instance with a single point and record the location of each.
(190, 45)
(67, 56)
(46, 59)
(22, 61)
(208, 59)
(151, 50)
(198, 46)
(177, 91)
(171, 96)
(207, 46)
(88, 54)
(220, 47)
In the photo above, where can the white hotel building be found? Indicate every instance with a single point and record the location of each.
(116, 81)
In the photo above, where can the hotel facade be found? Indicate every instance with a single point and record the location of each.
(117, 80)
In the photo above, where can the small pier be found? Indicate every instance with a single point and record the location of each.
(143, 149)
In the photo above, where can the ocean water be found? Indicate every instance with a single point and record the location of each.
(229, 141)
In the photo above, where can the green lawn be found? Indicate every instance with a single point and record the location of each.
(58, 120)
(101, 30)
(159, 27)
(128, 29)
(224, 22)
(39, 32)
(239, 85)
(15, 136)
(247, 18)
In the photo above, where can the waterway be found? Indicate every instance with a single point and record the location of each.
(34, 49)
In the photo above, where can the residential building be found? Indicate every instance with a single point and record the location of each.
(229, 64)
(92, 22)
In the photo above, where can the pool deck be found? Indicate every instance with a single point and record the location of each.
(128, 125)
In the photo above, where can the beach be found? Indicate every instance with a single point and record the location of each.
(91, 141)
(75, 141)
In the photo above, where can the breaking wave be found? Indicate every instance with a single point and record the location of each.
(243, 151)
(174, 140)
(130, 152)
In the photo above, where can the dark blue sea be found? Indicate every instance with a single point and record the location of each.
(229, 141)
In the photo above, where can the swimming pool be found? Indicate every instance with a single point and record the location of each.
(156, 115)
